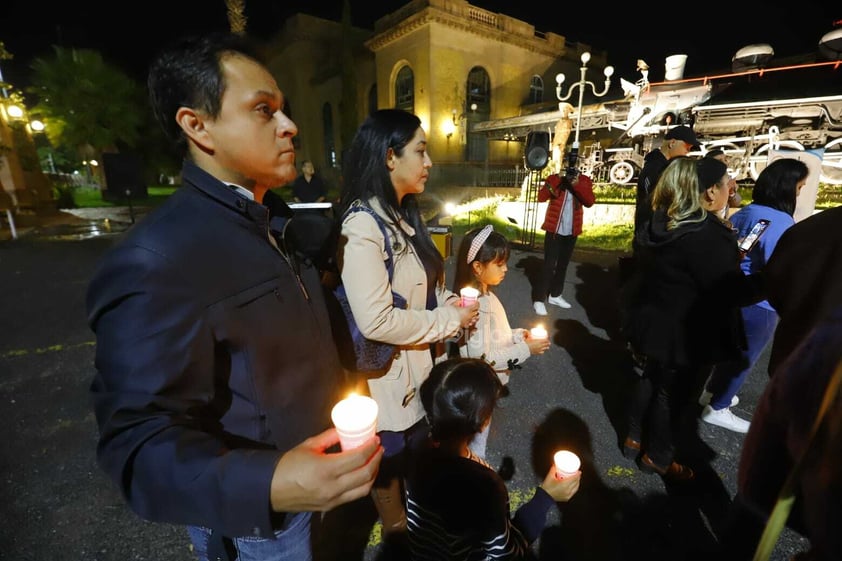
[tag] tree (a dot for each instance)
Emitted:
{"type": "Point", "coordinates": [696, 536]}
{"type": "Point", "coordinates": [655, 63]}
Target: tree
{"type": "Point", "coordinates": [89, 105]}
{"type": "Point", "coordinates": [236, 15]}
{"type": "Point", "coordinates": [348, 107]}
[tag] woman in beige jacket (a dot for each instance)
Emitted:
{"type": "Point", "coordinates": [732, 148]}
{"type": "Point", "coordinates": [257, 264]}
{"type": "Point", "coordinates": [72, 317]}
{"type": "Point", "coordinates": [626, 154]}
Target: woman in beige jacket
{"type": "Point", "coordinates": [386, 167]}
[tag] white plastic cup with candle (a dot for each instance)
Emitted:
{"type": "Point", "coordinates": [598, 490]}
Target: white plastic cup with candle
{"type": "Point", "coordinates": [538, 332]}
{"type": "Point", "coordinates": [469, 296]}
{"type": "Point", "coordinates": [566, 463]}
{"type": "Point", "coordinates": [355, 419]}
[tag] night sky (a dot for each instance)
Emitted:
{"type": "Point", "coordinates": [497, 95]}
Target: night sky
{"type": "Point", "coordinates": [129, 33]}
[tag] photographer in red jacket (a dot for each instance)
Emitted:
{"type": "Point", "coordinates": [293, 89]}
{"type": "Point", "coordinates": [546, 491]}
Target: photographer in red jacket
{"type": "Point", "coordinates": [562, 224]}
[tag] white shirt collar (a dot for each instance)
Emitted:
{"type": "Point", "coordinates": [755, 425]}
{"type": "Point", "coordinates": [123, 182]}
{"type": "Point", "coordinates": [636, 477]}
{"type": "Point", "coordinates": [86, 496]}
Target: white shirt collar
{"type": "Point", "coordinates": [242, 191]}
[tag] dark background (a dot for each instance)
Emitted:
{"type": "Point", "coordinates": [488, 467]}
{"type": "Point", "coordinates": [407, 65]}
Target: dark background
{"type": "Point", "coordinates": [129, 33]}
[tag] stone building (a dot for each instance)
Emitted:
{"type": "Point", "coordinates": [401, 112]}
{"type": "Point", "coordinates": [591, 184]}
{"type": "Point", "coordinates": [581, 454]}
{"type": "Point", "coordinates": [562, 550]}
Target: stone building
{"type": "Point", "coordinates": [451, 63]}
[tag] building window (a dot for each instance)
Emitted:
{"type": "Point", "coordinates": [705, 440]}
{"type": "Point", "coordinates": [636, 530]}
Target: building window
{"type": "Point", "coordinates": [477, 108]}
{"type": "Point", "coordinates": [405, 90]}
{"type": "Point", "coordinates": [372, 99]}
{"type": "Point", "coordinates": [536, 89]}
{"type": "Point", "coordinates": [327, 130]}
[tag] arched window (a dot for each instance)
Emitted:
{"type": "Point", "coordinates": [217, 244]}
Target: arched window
{"type": "Point", "coordinates": [477, 108]}
{"type": "Point", "coordinates": [327, 131]}
{"type": "Point", "coordinates": [405, 90]}
{"type": "Point", "coordinates": [372, 99]}
{"type": "Point", "coordinates": [536, 89]}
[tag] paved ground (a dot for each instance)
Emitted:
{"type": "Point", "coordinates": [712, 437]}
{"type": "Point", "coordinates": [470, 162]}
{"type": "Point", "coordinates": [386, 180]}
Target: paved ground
{"type": "Point", "coordinates": [57, 504]}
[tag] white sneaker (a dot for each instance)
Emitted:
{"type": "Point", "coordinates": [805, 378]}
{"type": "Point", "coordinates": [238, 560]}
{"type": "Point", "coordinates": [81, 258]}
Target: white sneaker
{"type": "Point", "coordinates": [539, 308]}
{"type": "Point", "coordinates": [704, 399]}
{"type": "Point", "coordinates": [725, 419]}
{"type": "Point", "coordinates": [558, 301]}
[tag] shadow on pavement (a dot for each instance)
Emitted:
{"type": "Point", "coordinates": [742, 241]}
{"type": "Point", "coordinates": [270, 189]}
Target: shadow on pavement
{"type": "Point", "coordinates": [608, 524]}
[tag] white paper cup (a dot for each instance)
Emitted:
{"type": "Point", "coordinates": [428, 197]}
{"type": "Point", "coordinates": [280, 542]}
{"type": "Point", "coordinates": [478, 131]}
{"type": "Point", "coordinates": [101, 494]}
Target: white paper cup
{"type": "Point", "coordinates": [469, 296]}
{"type": "Point", "coordinates": [539, 333]}
{"type": "Point", "coordinates": [355, 419]}
{"type": "Point", "coordinates": [566, 463]}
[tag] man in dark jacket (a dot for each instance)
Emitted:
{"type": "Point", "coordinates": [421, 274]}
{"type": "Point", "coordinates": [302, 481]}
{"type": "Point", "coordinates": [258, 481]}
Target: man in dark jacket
{"type": "Point", "coordinates": [215, 373]}
{"type": "Point", "coordinates": [678, 141]}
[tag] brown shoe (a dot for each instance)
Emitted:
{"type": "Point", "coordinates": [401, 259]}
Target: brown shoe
{"type": "Point", "coordinates": [631, 448]}
{"type": "Point", "coordinates": [674, 472]}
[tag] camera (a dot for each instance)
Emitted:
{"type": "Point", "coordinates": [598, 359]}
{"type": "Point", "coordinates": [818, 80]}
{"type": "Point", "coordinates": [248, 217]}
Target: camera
{"type": "Point", "coordinates": [571, 172]}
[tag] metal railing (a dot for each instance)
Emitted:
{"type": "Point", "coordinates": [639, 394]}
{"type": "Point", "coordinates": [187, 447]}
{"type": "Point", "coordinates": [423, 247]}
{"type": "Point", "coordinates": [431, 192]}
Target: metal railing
{"type": "Point", "coordinates": [478, 175]}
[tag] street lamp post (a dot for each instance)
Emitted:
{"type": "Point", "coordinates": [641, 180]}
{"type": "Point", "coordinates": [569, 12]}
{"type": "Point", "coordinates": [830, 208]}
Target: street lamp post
{"type": "Point", "coordinates": [39, 126]}
{"type": "Point", "coordinates": [581, 84]}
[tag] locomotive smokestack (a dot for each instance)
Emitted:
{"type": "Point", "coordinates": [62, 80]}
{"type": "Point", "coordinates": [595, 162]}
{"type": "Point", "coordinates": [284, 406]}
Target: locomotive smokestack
{"type": "Point", "coordinates": [675, 67]}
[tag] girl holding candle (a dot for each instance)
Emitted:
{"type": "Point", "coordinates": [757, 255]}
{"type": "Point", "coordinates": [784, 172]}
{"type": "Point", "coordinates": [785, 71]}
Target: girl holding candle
{"type": "Point", "coordinates": [387, 165]}
{"type": "Point", "coordinates": [481, 264]}
{"type": "Point", "coordinates": [457, 506]}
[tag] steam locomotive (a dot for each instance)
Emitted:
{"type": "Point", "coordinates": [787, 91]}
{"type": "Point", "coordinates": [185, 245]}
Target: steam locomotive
{"type": "Point", "coordinates": [747, 112]}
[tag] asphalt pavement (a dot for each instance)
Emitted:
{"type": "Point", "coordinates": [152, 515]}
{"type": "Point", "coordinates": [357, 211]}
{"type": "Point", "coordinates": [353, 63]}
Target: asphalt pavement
{"type": "Point", "coordinates": [57, 504]}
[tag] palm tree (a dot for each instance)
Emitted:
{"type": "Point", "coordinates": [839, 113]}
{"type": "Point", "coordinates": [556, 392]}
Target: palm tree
{"type": "Point", "coordinates": [90, 106]}
{"type": "Point", "coordinates": [348, 109]}
{"type": "Point", "coordinates": [236, 15]}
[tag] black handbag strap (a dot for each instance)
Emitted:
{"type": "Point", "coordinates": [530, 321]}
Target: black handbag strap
{"type": "Point", "coordinates": [358, 206]}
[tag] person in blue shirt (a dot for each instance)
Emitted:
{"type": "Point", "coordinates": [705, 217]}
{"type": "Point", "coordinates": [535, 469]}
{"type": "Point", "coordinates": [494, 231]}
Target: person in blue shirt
{"type": "Point", "coordinates": [773, 199]}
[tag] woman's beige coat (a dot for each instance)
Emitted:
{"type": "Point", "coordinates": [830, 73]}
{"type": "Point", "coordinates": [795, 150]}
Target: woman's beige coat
{"type": "Point", "coordinates": [361, 260]}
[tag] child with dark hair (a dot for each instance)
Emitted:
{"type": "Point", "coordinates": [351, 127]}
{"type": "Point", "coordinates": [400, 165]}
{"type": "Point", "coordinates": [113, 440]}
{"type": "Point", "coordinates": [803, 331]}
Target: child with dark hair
{"type": "Point", "coordinates": [457, 506]}
{"type": "Point", "coordinates": [481, 263]}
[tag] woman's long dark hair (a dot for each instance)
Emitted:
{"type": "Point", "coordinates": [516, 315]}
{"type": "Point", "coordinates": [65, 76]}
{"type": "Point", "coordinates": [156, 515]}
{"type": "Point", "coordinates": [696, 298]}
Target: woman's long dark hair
{"type": "Point", "coordinates": [776, 185]}
{"type": "Point", "coordinates": [365, 175]}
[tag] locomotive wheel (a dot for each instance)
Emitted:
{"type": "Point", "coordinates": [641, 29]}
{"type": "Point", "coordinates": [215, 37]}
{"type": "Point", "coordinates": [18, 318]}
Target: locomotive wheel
{"type": "Point", "coordinates": [757, 164]}
{"type": "Point", "coordinates": [733, 157]}
{"type": "Point", "coordinates": [832, 166]}
{"type": "Point", "coordinates": [621, 173]}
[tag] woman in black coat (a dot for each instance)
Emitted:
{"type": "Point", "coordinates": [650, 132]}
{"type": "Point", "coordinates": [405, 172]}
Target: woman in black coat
{"type": "Point", "coordinates": [681, 309]}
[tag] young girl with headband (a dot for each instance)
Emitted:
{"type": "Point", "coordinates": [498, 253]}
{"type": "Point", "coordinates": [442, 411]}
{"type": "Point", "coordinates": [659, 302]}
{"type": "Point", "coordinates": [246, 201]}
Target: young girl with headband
{"type": "Point", "coordinates": [482, 263]}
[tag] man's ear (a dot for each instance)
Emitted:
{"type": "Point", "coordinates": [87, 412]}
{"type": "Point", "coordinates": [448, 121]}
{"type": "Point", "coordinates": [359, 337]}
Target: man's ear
{"type": "Point", "coordinates": [193, 125]}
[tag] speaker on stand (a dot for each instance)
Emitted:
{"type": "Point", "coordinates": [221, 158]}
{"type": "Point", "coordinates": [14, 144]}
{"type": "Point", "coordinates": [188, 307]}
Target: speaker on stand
{"type": "Point", "coordinates": [537, 152]}
{"type": "Point", "coordinates": [536, 156]}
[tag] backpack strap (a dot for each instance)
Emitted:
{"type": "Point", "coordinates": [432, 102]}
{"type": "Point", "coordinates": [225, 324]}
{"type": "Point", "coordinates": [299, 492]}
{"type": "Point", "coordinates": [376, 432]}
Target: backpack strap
{"type": "Point", "coordinates": [361, 206]}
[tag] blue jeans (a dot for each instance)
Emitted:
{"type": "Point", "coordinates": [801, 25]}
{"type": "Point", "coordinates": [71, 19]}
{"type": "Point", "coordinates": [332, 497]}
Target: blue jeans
{"type": "Point", "coordinates": [727, 378]}
{"type": "Point", "coordinates": [292, 543]}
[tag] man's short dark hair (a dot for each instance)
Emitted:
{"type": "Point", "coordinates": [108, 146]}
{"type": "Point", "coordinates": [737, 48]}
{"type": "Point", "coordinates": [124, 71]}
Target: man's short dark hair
{"type": "Point", "coordinates": [188, 73]}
